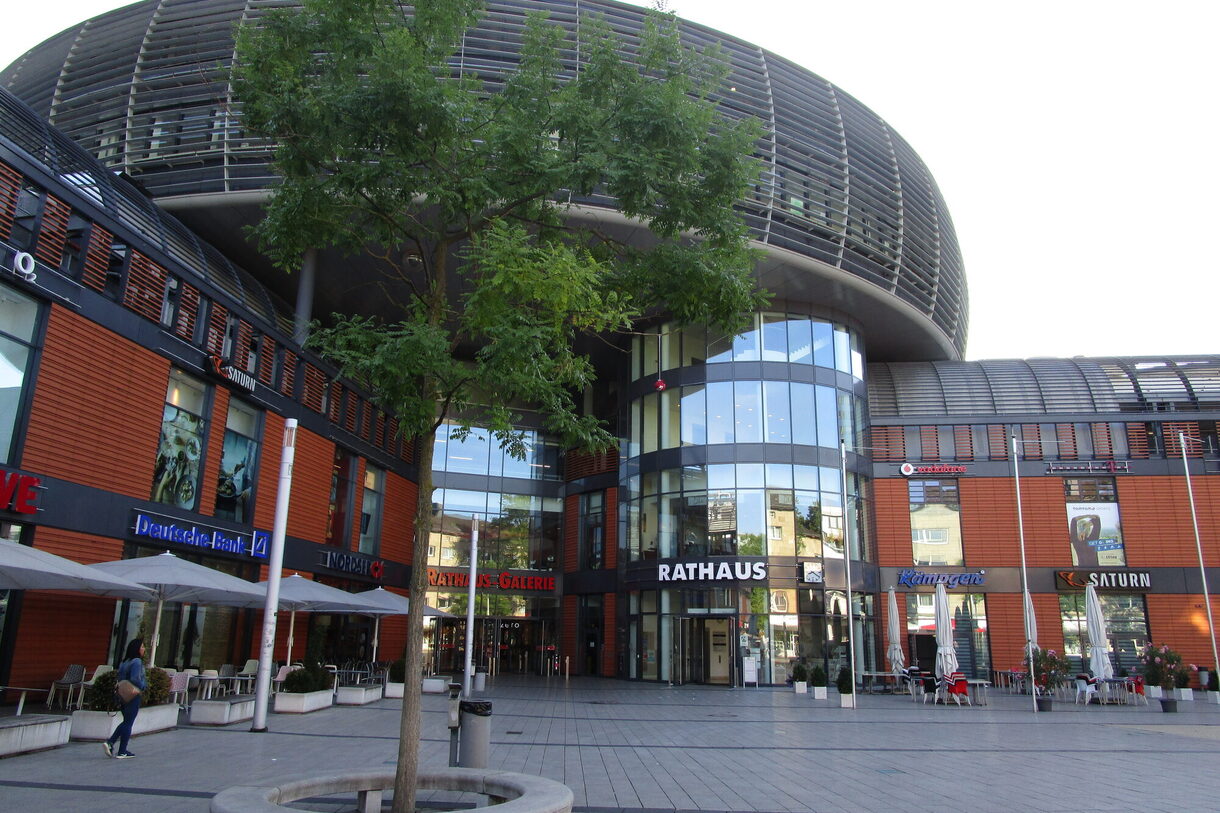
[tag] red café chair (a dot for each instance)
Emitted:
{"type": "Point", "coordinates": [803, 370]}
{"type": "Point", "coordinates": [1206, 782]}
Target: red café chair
{"type": "Point", "coordinates": [958, 688]}
{"type": "Point", "coordinates": [1135, 687]}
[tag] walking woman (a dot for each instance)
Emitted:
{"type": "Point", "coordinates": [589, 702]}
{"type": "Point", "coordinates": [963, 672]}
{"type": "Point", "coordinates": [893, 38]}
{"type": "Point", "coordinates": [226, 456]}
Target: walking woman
{"type": "Point", "coordinates": [132, 668]}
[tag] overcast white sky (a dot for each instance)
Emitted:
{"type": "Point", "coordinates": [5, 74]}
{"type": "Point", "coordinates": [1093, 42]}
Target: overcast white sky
{"type": "Point", "coordinates": [1075, 143]}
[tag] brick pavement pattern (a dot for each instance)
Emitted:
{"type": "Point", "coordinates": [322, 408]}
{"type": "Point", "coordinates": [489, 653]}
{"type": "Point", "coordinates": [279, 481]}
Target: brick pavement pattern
{"type": "Point", "coordinates": [643, 748]}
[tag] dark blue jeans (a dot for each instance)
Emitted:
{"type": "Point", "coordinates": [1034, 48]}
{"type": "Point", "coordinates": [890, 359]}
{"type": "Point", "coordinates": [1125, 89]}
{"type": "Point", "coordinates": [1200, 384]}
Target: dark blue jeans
{"type": "Point", "coordinates": [129, 710]}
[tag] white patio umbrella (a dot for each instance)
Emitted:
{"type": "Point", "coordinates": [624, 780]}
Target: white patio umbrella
{"type": "Point", "coordinates": [170, 578]}
{"type": "Point", "coordinates": [1099, 647]}
{"type": "Point", "coordinates": [300, 594]}
{"type": "Point", "coordinates": [391, 604]}
{"type": "Point", "coordinates": [1033, 624]}
{"type": "Point", "coordinates": [946, 655]}
{"type": "Point", "coordinates": [893, 632]}
{"type": "Point", "coordinates": [25, 568]}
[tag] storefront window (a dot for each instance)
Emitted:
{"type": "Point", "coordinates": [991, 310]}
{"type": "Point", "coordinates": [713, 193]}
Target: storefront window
{"type": "Point", "coordinates": [237, 463]}
{"type": "Point", "coordinates": [18, 319]}
{"type": "Point", "coordinates": [370, 510]}
{"type": "Point", "coordinates": [1094, 527]}
{"type": "Point", "coordinates": [477, 452]}
{"type": "Point", "coordinates": [968, 615]}
{"type": "Point", "coordinates": [338, 528]}
{"type": "Point", "coordinates": [936, 532]}
{"type": "Point", "coordinates": [1126, 629]}
{"type": "Point", "coordinates": [592, 530]}
{"type": "Point", "coordinates": [516, 531]}
{"type": "Point", "coordinates": [176, 475]}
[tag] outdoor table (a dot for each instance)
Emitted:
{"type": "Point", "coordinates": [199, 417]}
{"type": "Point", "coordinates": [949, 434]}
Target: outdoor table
{"type": "Point", "coordinates": [1113, 690]}
{"type": "Point", "coordinates": [21, 699]}
{"type": "Point", "coordinates": [207, 685]}
{"type": "Point", "coordinates": [979, 690]}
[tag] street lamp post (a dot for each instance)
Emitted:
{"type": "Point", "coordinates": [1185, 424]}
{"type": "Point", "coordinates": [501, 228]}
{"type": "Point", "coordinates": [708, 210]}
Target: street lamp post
{"type": "Point", "coordinates": [1194, 520]}
{"type": "Point", "coordinates": [1026, 599]}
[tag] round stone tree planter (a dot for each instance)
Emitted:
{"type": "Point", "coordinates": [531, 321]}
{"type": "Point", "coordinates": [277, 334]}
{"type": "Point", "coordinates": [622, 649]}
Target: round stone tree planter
{"type": "Point", "coordinates": [509, 792]}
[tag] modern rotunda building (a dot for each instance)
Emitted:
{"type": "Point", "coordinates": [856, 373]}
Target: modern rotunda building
{"type": "Point", "coordinates": [715, 545]}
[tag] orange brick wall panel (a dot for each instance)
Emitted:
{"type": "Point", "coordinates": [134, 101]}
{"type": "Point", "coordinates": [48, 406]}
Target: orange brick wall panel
{"type": "Point", "coordinates": [567, 642]}
{"type": "Point", "coordinates": [398, 518]}
{"type": "Point", "coordinates": [989, 522]}
{"type": "Point", "coordinates": [1157, 531]}
{"type": "Point", "coordinates": [1006, 627]}
{"type": "Point", "coordinates": [216, 442]}
{"type": "Point", "coordinates": [611, 523]}
{"type": "Point", "coordinates": [609, 635]}
{"type": "Point", "coordinates": [267, 484]}
{"type": "Point", "coordinates": [892, 517]}
{"type": "Point", "coordinates": [571, 531]}
{"type": "Point", "coordinates": [58, 629]}
{"type": "Point", "coordinates": [76, 402]}
{"type": "Point", "coordinates": [311, 475]}
{"type": "Point", "coordinates": [1046, 528]}
{"type": "Point", "coordinates": [1180, 621]}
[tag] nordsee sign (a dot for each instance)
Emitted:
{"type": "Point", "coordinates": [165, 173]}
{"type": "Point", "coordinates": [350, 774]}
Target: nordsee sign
{"type": "Point", "coordinates": [920, 578]}
{"type": "Point", "coordinates": [167, 529]}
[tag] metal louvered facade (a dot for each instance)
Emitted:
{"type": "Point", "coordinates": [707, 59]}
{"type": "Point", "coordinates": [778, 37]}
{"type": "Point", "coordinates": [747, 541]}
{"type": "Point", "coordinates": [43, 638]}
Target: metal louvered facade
{"type": "Point", "coordinates": [146, 89]}
{"type": "Point", "coordinates": [1044, 386]}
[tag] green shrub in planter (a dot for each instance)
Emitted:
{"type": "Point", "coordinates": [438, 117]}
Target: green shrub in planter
{"type": "Point", "coordinates": [800, 674]}
{"type": "Point", "coordinates": [844, 682]}
{"type": "Point", "coordinates": [398, 671]}
{"type": "Point", "coordinates": [100, 696]}
{"type": "Point", "coordinates": [312, 678]}
{"type": "Point", "coordinates": [1213, 681]}
{"type": "Point", "coordinates": [157, 692]}
{"type": "Point", "coordinates": [817, 677]}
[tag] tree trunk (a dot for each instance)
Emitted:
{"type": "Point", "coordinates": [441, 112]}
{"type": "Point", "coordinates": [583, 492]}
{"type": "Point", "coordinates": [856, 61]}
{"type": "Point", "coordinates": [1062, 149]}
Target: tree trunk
{"type": "Point", "coordinates": [409, 727]}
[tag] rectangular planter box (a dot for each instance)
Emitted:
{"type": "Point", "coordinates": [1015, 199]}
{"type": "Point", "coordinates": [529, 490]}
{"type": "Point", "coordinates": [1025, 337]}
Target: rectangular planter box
{"type": "Point", "coordinates": [394, 689]}
{"type": "Point", "coordinates": [1214, 698]}
{"type": "Point", "coordinates": [357, 695]}
{"type": "Point", "coordinates": [847, 701]}
{"type": "Point", "coordinates": [800, 686]}
{"type": "Point", "coordinates": [222, 712]}
{"type": "Point", "coordinates": [819, 692]}
{"type": "Point", "coordinates": [435, 685]}
{"type": "Point", "coordinates": [1183, 694]}
{"type": "Point", "coordinates": [33, 732]}
{"type": "Point", "coordinates": [95, 726]}
{"type": "Point", "coordinates": [303, 702]}
{"type": "Point", "coordinates": [1153, 692]}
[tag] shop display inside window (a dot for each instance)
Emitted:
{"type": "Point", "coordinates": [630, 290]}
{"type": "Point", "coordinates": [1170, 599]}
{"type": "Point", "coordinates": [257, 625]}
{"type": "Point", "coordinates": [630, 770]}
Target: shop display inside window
{"type": "Point", "coordinates": [176, 473]}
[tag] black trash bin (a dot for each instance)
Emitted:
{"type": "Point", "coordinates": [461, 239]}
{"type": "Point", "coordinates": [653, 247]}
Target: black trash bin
{"type": "Point", "coordinates": [475, 733]}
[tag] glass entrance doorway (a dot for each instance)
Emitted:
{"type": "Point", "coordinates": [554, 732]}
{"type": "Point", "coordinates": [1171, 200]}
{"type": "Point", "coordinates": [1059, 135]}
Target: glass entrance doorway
{"type": "Point", "coordinates": [702, 651]}
{"type": "Point", "coordinates": [509, 645]}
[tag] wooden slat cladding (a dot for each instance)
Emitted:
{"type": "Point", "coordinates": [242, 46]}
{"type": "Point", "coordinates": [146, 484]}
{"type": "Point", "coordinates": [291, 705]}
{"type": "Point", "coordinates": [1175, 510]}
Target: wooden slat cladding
{"type": "Point", "coordinates": [245, 337]}
{"type": "Point", "coordinates": [1065, 439]}
{"type": "Point", "coordinates": [571, 532]}
{"type": "Point", "coordinates": [997, 442]}
{"type": "Point", "coordinates": [288, 377]}
{"type": "Point", "coordinates": [963, 443]}
{"type": "Point", "coordinates": [218, 326]}
{"type": "Point", "coordinates": [1173, 448]}
{"type": "Point", "coordinates": [315, 457]}
{"type": "Point", "coordinates": [266, 361]}
{"type": "Point", "coordinates": [10, 190]}
{"type": "Point", "coordinates": [145, 292]}
{"type": "Point", "coordinates": [398, 518]}
{"type": "Point", "coordinates": [609, 639]}
{"type": "Point", "coordinates": [570, 619]}
{"type": "Point", "coordinates": [53, 232]}
{"type": "Point", "coordinates": [188, 313]}
{"type": "Point", "coordinates": [1103, 443]}
{"type": "Point", "coordinates": [75, 404]}
{"type": "Point", "coordinates": [97, 258]}
{"type": "Point", "coordinates": [611, 531]}
{"type": "Point", "coordinates": [584, 464]}
{"type": "Point", "coordinates": [1031, 442]}
{"type": "Point", "coordinates": [929, 443]}
{"type": "Point", "coordinates": [888, 443]}
{"type": "Point", "coordinates": [1137, 440]}
{"type": "Point", "coordinates": [1176, 621]}
{"type": "Point", "coordinates": [314, 395]}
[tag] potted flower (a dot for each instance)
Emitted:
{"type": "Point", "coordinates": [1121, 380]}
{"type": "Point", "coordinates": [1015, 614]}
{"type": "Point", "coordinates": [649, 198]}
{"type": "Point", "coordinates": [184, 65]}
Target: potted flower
{"type": "Point", "coordinates": [800, 678]}
{"type": "Point", "coordinates": [396, 678]}
{"type": "Point", "coordinates": [817, 679]}
{"type": "Point", "coordinates": [1050, 671]}
{"type": "Point", "coordinates": [98, 716]}
{"type": "Point", "coordinates": [845, 684]}
{"type": "Point", "coordinates": [1163, 667]}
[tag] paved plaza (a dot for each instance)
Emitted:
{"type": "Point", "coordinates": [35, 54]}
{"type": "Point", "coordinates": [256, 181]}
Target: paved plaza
{"type": "Point", "coordinates": [640, 748]}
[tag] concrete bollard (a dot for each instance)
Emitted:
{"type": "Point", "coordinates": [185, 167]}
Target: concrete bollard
{"type": "Point", "coordinates": [475, 733]}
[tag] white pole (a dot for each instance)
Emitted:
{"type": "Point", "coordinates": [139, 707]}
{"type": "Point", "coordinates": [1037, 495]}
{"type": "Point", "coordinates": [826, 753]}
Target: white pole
{"type": "Point", "coordinates": [376, 632]}
{"type": "Point", "coordinates": [1026, 599]}
{"type": "Point", "coordinates": [292, 626]}
{"type": "Point", "coordinates": [152, 656]}
{"type": "Point", "coordinates": [474, 561]}
{"type": "Point", "coordinates": [851, 612]}
{"type": "Point", "coordinates": [275, 562]}
{"type": "Point", "coordinates": [1194, 520]}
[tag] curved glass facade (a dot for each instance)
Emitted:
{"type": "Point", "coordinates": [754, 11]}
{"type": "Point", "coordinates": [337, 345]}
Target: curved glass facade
{"type": "Point", "coordinates": [756, 543]}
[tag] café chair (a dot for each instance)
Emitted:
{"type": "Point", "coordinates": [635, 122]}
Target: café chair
{"type": "Point", "coordinates": [1084, 688]}
{"type": "Point", "coordinates": [102, 668]}
{"type": "Point", "coordinates": [73, 679]}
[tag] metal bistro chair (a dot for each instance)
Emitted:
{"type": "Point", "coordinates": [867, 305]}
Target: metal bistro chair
{"type": "Point", "coordinates": [102, 668]}
{"type": "Point", "coordinates": [180, 690]}
{"type": "Point", "coordinates": [73, 679]}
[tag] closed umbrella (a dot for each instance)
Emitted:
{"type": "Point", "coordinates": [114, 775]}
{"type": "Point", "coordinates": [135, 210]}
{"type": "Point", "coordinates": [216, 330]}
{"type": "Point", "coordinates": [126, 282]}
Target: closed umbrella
{"type": "Point", "coordinates": [171, 578]}
{"type": "Point", "coordinates": [946, 655]}
{"type": "Point", "coordinates": [26, 568]}
{"type": "Point", "coordinates": [305, 595]}
{"type": "Point", "coordinates": [1099, 647]}
{"type": "Point", "coordinates": [893, 633]}
{"type": "Point", "coordinates": [390, 604]}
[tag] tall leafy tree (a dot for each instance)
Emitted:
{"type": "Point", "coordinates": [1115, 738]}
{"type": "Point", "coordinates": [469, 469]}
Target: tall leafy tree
{"type": "Point", "coordinates": [457, 188]}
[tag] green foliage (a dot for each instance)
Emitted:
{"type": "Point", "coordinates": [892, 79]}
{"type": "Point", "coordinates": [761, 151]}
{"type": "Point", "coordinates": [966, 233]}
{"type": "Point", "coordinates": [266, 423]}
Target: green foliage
{"type": "Point", "coordinates": [100, 696]}
{"type": "Point", "coordinates": [817, 676]}
{"type": "Point", "coordinates": [1164, 667]}
{"type": "Point", "coordinates": [1050, 668]}
{"type": "Point", "coordinates": [1213, 681]}
{"type": "Point", "coordinates": [800, 673]}
{"type": "Point", "coordinates": [157, 691]}
{"type": "Point", "coordinates": [309, 678]}
{"type": "Point", "coordinates": [844, 682]}
{"type": "Point", "coordinates": [398, 671]}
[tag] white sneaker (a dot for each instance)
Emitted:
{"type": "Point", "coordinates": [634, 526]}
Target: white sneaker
{"type": "Point", "coordinates": [109, 750]}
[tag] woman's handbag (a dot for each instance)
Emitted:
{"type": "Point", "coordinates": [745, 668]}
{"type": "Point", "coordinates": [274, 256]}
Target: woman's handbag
{"type": "Point", "coordinates": [126, 690]}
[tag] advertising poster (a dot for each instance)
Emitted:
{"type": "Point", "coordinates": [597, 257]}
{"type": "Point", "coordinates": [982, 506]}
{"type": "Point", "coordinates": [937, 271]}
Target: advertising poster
{"type": "Point", "coordinates": [1096, 534]}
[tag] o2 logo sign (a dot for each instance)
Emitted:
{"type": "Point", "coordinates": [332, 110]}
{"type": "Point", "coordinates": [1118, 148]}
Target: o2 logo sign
{"type": "Point", "coordinates": [23, 266]}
